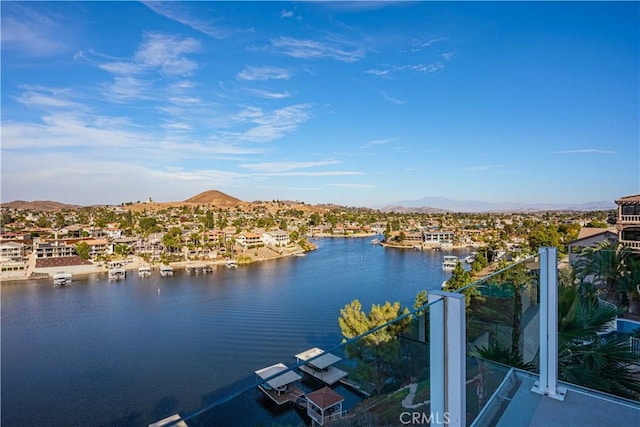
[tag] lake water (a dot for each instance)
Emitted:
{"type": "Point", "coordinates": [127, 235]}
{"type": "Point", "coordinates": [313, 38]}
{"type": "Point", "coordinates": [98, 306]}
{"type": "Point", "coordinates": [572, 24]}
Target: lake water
{"type": "Point", "coordinates": [130, 353]}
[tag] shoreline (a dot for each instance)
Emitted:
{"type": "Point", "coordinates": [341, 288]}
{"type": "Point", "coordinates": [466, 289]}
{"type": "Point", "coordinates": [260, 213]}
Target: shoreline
{"type": "Point", "coordinates": [85, 271]}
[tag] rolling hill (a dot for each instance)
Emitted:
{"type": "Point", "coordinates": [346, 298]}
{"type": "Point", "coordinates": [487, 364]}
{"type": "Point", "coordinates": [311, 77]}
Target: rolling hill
{"type": "Point", "coordinates": [39, 205]}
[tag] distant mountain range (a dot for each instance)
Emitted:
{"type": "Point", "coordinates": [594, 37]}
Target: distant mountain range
{"type": "Point", "coordinates": [424, 205]}
{"type": "Point", "coordinates": [442, 204]}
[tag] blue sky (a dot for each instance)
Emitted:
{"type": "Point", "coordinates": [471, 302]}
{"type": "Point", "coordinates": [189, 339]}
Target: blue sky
{"type": "Point", "coordinates": [360, 104]}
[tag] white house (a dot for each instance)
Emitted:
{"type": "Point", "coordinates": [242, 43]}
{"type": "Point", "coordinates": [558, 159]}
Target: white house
{"type": "Point", "coordinates": [12, 251]}
{"type": "Point", "coordinates": [276, 238]}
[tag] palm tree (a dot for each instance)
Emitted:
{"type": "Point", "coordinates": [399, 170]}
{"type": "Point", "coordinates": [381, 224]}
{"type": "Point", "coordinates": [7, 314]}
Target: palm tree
{"type": "Point", "coordinates": [588, 357]}
{"type": "Point", "coordinates": [610, 267]}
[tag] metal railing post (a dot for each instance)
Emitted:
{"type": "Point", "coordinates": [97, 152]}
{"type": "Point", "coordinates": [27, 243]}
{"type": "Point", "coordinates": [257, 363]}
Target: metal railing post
{"type": "Point", "coordinates": [548, 381]}
{"type": "Point", "coordinates": [448, 358]}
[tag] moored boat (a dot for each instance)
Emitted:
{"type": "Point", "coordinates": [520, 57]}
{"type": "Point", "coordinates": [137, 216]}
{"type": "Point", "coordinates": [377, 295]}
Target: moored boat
{"type": "Point", "coordinates": [62, 278]}
{"type": "Point", "coordinates": [117, 273]}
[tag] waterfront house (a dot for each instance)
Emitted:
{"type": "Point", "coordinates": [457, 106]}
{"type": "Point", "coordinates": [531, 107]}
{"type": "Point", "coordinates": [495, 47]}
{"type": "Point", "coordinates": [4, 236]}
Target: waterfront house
{"type": "Point", "coordinates": [589, 237]}
{"type": "Point", "coordinates": [276, 238]}
{"type": "Point", "coordinates": [13, 251]}
{"type": "Point", "coordinates": [413, 237]}
{"type": "Point", "coordinates": [98, 247]}
{"type": "Point", "coordinates": [628, 221]}
{"type": "Point", "coordinates": [249, 240]}
{"type": "Point", "coordinates": [53, 249]}
{"type": "Point", "coordinates": [438, 238]}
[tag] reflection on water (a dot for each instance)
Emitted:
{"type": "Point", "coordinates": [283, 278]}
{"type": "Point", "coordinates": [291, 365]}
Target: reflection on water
{"type": "Point", "coordinates": [132, 352]}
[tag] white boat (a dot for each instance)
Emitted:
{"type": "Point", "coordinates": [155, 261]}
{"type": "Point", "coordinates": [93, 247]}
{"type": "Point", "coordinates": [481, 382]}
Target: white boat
{"type": "Point", "coordinates": [232, 263]}
{"type": "Point", "coordinates": [449, 262]}
{"type": "Point", "coordinates": [470, 258]}
{"type": "Point", "coordinates": [144, 271]}
{"type": "Point", "coordinates": [166, 270]}
{"type": "Point", "coordinates": [61, 278]}
{"type": "Point", "coordinates": [117, 273]}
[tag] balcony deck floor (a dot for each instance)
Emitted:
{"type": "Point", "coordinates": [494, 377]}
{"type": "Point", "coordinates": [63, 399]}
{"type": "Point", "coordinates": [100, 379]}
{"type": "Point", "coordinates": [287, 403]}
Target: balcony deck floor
{"type": "Point", "coordinates": [580, 408]}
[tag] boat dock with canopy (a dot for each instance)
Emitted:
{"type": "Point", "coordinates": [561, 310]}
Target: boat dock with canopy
{"type": "Point", "coordinates": [321, 365]}
{"type": "Point", "coordinates": [279, 388]}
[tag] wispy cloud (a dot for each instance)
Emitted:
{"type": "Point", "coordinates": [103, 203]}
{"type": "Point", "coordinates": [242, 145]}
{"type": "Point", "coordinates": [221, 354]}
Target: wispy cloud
{"type": "Point", "coordinates": [47, 98]}
{"type": "Point", "coordinates": [268, 94]}
{"type": "Point", "coordinates": [379, 73]}
{"type": "Point", "coordinates": [271, 125]}
{"type": "Point", "coordinates": [32, 32]}
{"type": "Point", "coordinates": [272, 167]}
{"type": "Point", "coordinates": [286, 13]}
{"type": "Point", "coordinates": [264, 73]}
{"type": "Point", "coordinates": [387, 70]}
{"type": "Point", "coordinates": [356, 186]}
{"type": "Point", "coordinates": [339, 50]}
{"type": "Point", "coordinates": [418, 45]}
{"type": "Point", "coordinates": [182, 12]}
{"type": "Point", "coordinates": [391, 99]}
{"type": "Point", "coordinates": [585, 151]}
{"type": "Point", "coordinates": [126, 88]}
{"type": "Point", "coordinates": [377, 142]}
{"type": "Point", "coordinates": [166, 53]}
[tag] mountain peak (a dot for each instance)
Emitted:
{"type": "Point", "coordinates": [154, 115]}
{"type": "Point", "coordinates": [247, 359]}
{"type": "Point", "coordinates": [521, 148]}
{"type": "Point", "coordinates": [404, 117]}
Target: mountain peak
{"type": "Point", "coordinates": [215, 197]}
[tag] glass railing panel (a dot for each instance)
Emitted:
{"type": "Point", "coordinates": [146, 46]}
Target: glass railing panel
{"type": "Point", "coordinates": [502, 329]}
{"type": "Point", "coordinates": [380, 377]}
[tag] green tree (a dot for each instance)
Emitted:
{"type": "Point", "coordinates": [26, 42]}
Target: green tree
{"type": "Point", "coordinates": [209, 221]}
{"type": "Point", "coordinates": [586, 357]}
{"type": "Point", "coordinates": [420, 301]}
{"type": "Point", "coordinates": [596, 224]}
{"type": "Point", "coordinates": [609, 267]}
{"type": "Point", "coordinates": [43, 221]}
{"type": "Point", "coordinates": [122, 250]}
{"type": "Point", "coordinates": [172, 240]}
{"type": "Point", "coordinates": [82, 249]}
{"type": "Point", "coordinates": [379, 348]}
{"type": "Point", "coordinates": [459, 278]}
{"type": "Point", "coordinates": [315, 219]}
{"type": "Point", "coordinates": [148, 225]}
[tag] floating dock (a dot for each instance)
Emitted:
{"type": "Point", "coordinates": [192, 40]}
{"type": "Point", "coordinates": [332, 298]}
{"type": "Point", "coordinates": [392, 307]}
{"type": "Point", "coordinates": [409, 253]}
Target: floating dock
{"type": "Point", "coordinates": [321, 365]}
{"type": "Point", "coordinates": [280, 389]}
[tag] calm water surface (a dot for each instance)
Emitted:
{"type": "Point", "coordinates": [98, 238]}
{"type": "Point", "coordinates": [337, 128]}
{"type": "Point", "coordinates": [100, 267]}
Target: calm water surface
{"type": "Point", "coordinates": [130, 353]}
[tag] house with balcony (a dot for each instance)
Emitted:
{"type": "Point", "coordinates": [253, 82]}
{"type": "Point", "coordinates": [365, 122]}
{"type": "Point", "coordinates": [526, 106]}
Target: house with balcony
{"type": "Point", "coordinates": [628, 221]}
{"type": "Point", "coordinates": [13, 251]}
{"type": "Point", "coordinates": [249, 240]}
{"type": "Point", "coordinates": [276, 238]}
{"type": "Point", "coordinates": [53, 249]}
{"type": "Point", "coordinates": [98, 247]}
{"type": "Point", "coordinates": [438, 238]}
